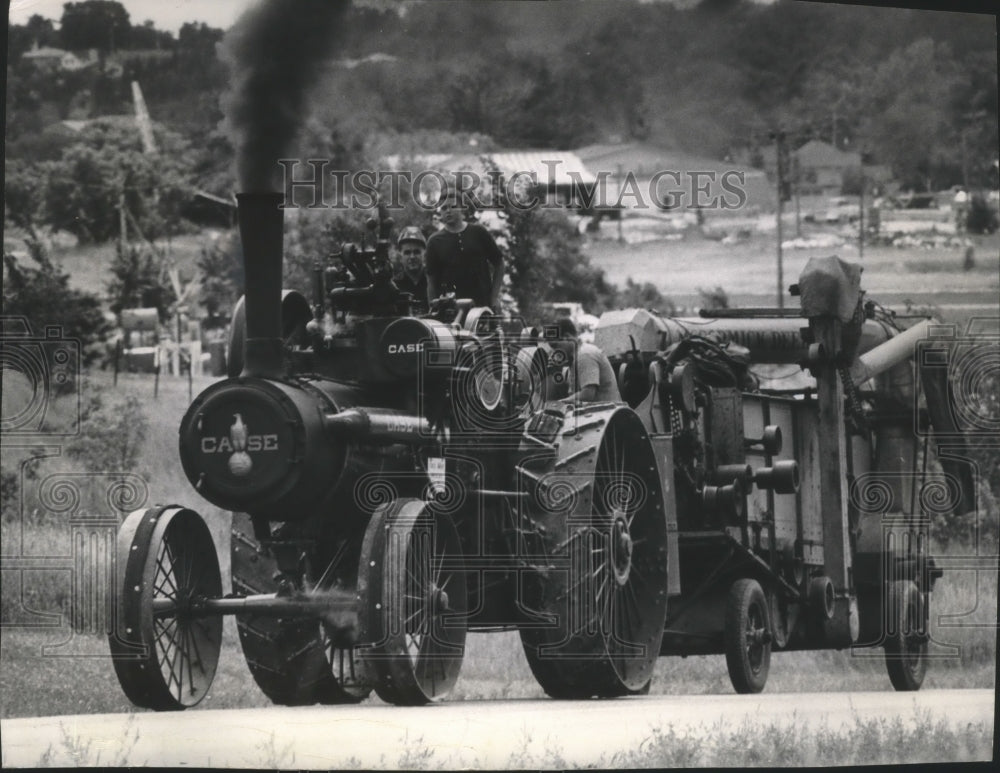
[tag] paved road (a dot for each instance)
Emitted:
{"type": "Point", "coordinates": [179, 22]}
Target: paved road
{"type": "Point", "coordinates": [460, 735]}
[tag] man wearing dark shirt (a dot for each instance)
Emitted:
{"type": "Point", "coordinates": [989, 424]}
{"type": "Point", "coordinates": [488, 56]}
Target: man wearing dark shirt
{"type": "Point", "coordinates": [463, 258]}
{"type": "Point", "coordinates": [413, 279]}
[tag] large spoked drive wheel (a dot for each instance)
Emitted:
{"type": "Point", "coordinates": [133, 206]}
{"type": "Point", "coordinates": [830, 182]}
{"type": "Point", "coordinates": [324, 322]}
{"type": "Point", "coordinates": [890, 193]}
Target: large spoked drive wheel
{"type": "Point", "coordinates": [595, 533]}
{"type": "Point", "coordinates": [294, 661]}
{"type": "Point", "coordinates": [747, 636]}
{"type": "Point", "coordinates": [413, 602]}
{"type": "Point", "coordinates": [906, 639]}
{"type": "Point", "coordinates": [164, 653]}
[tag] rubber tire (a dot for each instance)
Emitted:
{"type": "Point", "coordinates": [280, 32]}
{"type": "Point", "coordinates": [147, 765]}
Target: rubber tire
{"type": "Point", "coordinates": [746, 596]}
{"type": "Point", "coordinates": [904, 605]}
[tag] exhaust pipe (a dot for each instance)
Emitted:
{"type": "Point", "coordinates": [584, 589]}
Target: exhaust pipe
{"type": "Point", "coordinates": [261, 232]}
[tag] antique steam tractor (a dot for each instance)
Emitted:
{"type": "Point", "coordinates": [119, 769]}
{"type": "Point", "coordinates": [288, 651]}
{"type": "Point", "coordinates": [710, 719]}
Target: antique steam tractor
{"type": "Point", "coordinates": [398, 480]}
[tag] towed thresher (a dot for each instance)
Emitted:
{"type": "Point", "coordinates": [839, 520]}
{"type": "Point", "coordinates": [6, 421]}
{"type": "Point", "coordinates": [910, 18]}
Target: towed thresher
{"type": "Point", "coordinates": [397, 481]}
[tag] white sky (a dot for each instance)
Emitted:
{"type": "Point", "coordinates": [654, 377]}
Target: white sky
{"type": "Point", "coordinates": [171, 14]}
{"type": "Point", "coordinates": [166, 14]}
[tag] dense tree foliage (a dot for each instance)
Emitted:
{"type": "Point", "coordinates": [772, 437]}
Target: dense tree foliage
{"type": "Point", "coordinates": [82, 191]}
{"type": "Point", "coordinates": [916, 90]}
{"type": "Point", "coordinates": [100, 24]}
{"type": "Point", "coordinates": [37, 289]}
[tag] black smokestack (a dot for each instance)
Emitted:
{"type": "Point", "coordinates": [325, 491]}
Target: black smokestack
{"type": "Point", "coordinates": [262, 232]}
{"type": "Point", "coordinates": [275, 52]}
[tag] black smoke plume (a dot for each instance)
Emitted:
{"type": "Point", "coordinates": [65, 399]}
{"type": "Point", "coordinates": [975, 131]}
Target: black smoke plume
{"type": "Point", "coordinates": [275, 52]}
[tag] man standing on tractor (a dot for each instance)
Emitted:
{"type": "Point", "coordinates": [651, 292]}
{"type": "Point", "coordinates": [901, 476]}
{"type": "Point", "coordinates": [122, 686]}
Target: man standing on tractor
{"type": "Point", "coordinates": [413, 279]}
{"type": "Point", "coordinates": [463, 258]}
{"type": "Point", "coordinates": [589, 376]}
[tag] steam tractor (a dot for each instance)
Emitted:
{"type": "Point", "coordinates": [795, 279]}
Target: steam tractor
{"type": "Point", "coordinates": [398, 480]}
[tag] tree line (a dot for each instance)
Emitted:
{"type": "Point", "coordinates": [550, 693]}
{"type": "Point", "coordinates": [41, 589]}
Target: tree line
{"type": "Point", "coordinates": [914, 90]}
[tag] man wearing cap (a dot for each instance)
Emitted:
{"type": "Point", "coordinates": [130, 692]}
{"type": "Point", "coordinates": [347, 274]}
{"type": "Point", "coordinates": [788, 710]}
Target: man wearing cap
{"type": "Point", "coordinates": [463, 258]}
{"type": "Point", "coordinates": [412, 279]}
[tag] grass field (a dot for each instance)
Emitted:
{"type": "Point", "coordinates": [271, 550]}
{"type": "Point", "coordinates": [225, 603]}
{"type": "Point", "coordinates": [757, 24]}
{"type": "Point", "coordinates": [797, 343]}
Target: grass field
{"type": "Point", "coordinates": [747, 269]}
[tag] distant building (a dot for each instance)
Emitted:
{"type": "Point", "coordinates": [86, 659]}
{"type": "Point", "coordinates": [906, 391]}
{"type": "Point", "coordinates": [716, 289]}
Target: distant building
{"type": "Point", "coordinates": [554, 176]}
{"type": "Point", "coordinates": [48, 59]}
{"type": "Point", "coordinates": [557, 176]}
{"type": "Point", "coordinates": [637, 174]}
{"type": "Point", "coordinates": [822, 168]}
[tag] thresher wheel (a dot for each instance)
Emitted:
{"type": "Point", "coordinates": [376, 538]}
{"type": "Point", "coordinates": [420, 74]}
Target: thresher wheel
{"type": "Point", "coordinates": [294, 662]}
{"type": "Point", "coordinates": [747, 636]}
{"type": "Point", "coordinates": [165, 656]}
{"type": "Point", "coordinates": [595, 536]}
{"type": "Point", "coordinates": [906, 638]}
{"type": "Point", "coordinates": [413, 602]}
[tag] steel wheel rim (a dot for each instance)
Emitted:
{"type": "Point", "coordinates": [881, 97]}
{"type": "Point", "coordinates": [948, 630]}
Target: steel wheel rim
{"type": "Point", "coordinates": [629, 564]}
{"type": "Point", "coordinates": [184, 644]}
{"type": "Point", "coordinates": [413, 588]}
{"type": "Point", "coordinates": [346, 665]}
{"type": "Point", "coordinates": [425, 637]}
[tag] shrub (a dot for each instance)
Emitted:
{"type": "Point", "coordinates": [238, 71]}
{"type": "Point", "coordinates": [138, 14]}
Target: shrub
{"type": "Point", "coordinates": [112, 430]}
{"type": "Point", "coordinates": [982, 218]}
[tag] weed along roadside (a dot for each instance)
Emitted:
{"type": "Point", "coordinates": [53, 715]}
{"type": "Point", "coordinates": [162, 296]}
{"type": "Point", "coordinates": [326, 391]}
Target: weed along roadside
{"type": "Point", "coordinates": [650, 731]}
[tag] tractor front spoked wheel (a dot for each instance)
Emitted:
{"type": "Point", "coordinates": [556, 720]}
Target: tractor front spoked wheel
{"type": "Point", "coordinates": [164, 653]}
{"type": "Point", "coordinates": [747, 636]}
{"type": "Point", "coordinates": [295, 662]}
{"type": "Point", "coordinates": [414, 603]}
{"type": "Point", "coordinates": [906, 641]}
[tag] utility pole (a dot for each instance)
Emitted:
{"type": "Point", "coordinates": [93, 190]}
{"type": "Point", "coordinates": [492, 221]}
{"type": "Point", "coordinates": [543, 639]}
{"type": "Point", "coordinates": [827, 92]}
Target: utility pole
{"type": "Point", "coordinates": [795, 189]}
{"type": "Point", "coordinates": [861, 208]}
{"type": "Point", "coordinates": [621, 178]}
{"type": "Point", "coordinates": [779, 141]}
{"type": "Point", "coordinates": [122, 221]}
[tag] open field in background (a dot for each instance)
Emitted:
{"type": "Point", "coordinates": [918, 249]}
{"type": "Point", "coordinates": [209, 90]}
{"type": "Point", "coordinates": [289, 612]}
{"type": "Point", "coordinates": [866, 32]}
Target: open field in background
{"type": "Point", "coordinates": [747, 268]}
{"type": "Point", "coordinates": [736, 253]}
{"type": "Point", "coordinates": [33, 685]}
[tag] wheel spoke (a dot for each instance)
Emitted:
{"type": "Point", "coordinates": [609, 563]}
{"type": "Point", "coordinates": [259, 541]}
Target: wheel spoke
{"type": "Point", "coordinates": [164, 573]}
{"type": "Point", "coordinates": [196, 648]}
{"type": "Point", "coordinates": [171, 569]}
